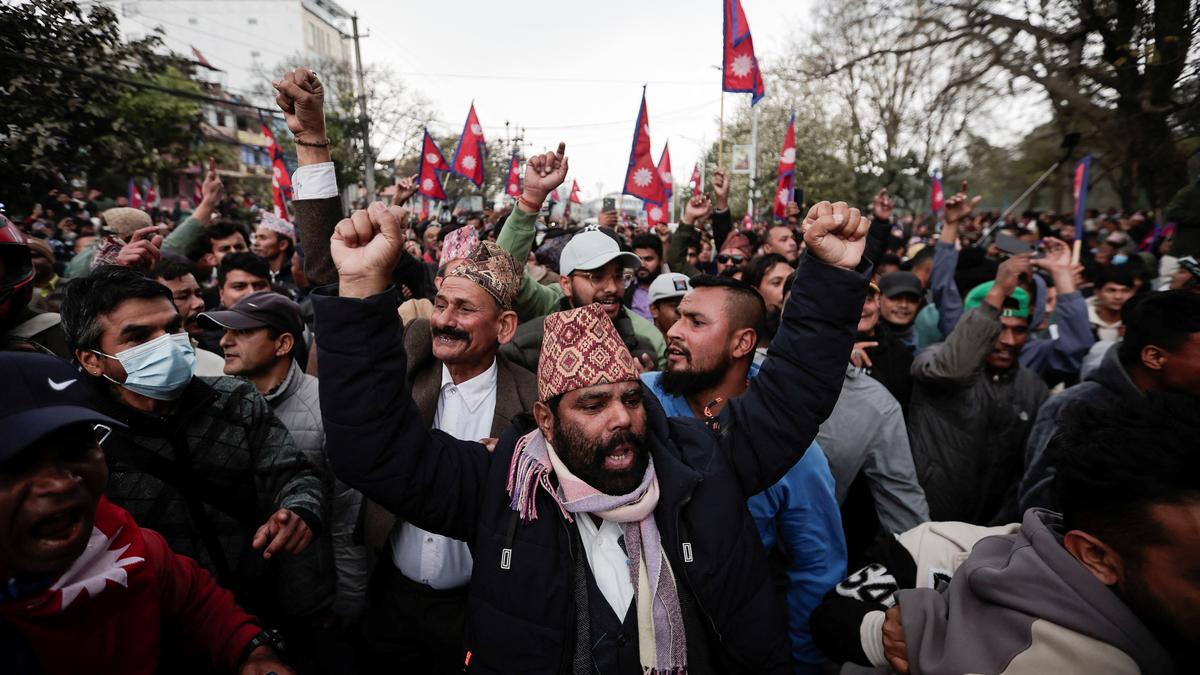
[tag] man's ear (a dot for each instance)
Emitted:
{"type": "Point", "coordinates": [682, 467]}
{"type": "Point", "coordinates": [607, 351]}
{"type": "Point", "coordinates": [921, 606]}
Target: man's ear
{"type": "Point", "coordinates": [507, 323]}
{"type": "Point", "coordinates": [564, 282]}
{"type": "Point", "coordinates": [1153, 357]}
{"type": "Point", "coordinates": [544, 419]}
{"type": "Point", "coordinates": [209, 260]}
{"type": "Point", "coordinates": [743, 341]}
{"type": "Point", "coordinates": [90, 362]}
{"type": "Point", "coordinates": [285, 344]}
{"type": "Point", "coordinates": [1099, 558]}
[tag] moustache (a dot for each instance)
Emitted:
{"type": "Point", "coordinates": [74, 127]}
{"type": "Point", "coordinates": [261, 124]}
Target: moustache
{"type": "Point", "coordinates": [600, 450]}
{"type": "Point", "coordinates": [451, 333]}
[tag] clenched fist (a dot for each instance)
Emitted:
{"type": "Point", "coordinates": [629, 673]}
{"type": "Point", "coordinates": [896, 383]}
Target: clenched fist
{"type": "Point", "coordinates": [836, 234]}
{"type": "Point", "coordinates": [365, 249]}
{"type": "Point", "coordinates": [543, 173]}
{"type": "Point", "coordinates": [302, 100]}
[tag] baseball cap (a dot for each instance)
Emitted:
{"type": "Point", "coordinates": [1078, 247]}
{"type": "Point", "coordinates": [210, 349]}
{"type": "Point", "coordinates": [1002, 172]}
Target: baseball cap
{"type": "Point", "coordinates": [1190, 264]}
{"type": "Point", "coordinates": [899, 283]}
{"type": "Point", "coordinates": [670, 285]}
{"type": "Point", "coordinates": [41, 394]}
{"type": "Point", "coordinates": [592, 249]}
{"type": "Point", "coordinates": [976, 296]}
{"type": "Point", "coordinates": [259, 310]}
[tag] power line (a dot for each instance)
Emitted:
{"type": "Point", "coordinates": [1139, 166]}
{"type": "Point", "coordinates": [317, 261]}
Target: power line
{"type": "Point", "coordinates": [140, 85]}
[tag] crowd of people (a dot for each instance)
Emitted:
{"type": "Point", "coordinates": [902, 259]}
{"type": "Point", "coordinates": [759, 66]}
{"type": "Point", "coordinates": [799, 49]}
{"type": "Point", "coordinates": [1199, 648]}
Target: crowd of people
{"type": "Point", "coordinates": [506, 442]}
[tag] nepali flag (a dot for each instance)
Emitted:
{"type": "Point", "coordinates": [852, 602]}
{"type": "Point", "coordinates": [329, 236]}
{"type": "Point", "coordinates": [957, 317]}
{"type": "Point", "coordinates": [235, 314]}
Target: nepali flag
{"type": "Point", "coordinates": [574, 198]}
{"type": "Point", "coordinates": [694, 181]}
{"type": "Point", "coordinates": [655, 215]}
{"type": "Point", "coordinates": [1081, 191]}
{"type": "Point", "coordinates": [468, 156]}
{"type": "Point", "coordinates": [432, 162]}
{"type": "Point", "coordinates": [151, 195]}
{"type": "Point", "coordinates": [135, 195]}
{"type": "Point", "coordinates": [281, 180]}
{"type": "Point", "coordinates": [642, 179]}
{"type": "Point", "coordinates": [554, 197]}
{"type": "Point", "coordinates": [512, 186]}
{"type": "Point", "coordinates": [664, 171]}
{"type": "Point", "coordinates": [740, 72]}
{"type": "Point", "coordinates": [787, 170]}
{"type": "Point", "coordinates": [937, 199]}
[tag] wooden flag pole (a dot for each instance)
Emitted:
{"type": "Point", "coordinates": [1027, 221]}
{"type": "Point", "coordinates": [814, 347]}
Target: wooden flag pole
{"type": "Point", "coordinates": [721, 137]}
{"type": "Point", "coordinates": [1076, 250]}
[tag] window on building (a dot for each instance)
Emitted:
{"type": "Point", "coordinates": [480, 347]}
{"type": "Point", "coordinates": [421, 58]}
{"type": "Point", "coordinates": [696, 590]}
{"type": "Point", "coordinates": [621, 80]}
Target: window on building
{"type": "Point", "coordinates": [252, 21]}
{"type": "Point", "coordinates": [255, 55]}
{"type": "Point", "coordinates": [191, 21]}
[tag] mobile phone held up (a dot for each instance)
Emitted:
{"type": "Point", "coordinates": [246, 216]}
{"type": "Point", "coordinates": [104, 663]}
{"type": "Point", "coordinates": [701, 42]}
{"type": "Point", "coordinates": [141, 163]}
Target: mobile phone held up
{"type": "Point", "coordinates": [1013, 246]}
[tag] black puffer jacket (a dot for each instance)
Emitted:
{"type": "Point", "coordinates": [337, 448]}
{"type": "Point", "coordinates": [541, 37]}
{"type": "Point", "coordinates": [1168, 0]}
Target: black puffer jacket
{"type": "Point", "coordinates": [522, 619]}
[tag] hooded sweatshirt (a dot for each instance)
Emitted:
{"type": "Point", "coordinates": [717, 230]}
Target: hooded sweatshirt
{"type": "Point", "coordinates": [1107, 384]}
{"type": "Point", "coordinates": [1022, 604]}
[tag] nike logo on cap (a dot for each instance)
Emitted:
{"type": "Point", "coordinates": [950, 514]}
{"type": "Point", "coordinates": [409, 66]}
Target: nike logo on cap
{"type": "Point", "coordinates": [59, 386]}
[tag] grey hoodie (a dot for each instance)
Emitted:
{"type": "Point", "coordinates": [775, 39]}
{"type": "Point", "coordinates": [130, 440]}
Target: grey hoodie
{"type": "Point", "coordinates": [1022, 604]}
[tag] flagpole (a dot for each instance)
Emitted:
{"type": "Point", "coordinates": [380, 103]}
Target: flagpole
{"type": "Point", "coordinates": [753, 159]}
{"type": "Point", "coordinates": [721, 137]}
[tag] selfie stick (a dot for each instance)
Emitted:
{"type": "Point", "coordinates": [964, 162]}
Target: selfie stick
{"type": "Point", "coordinates": [1068, 144]}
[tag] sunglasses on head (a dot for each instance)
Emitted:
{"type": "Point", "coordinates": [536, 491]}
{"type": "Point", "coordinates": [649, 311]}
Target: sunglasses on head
{"type": "Point", "coordinates": [727, 258]}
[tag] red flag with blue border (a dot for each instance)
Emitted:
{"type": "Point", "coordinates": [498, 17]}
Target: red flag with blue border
{"type": "Point", "coordinates": [471, 150]}
{"type": "Point", "coordinates": [642, 179]}
{"type": "Point", "coordinates": [432, 162]}
{"type": "Point", "coordinates": [740, 71]}
{"type": "Point", "coordinates": [787, 170]}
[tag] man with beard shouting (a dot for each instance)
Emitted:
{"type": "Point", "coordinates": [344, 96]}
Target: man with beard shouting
{"type": "Point", "coordinates": [710, 360]}
{"type": "Point", "coordinates": [606, 536]}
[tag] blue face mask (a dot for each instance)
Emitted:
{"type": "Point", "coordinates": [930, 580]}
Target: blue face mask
{"type": "Point", "coordinates": [1120, 259]}
{"type": "Point", "coordinates": [160, 369]}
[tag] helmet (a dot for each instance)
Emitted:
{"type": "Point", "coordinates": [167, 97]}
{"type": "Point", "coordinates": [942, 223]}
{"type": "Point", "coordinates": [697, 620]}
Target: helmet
{"type": "Point", "coordinates": [16, 272]}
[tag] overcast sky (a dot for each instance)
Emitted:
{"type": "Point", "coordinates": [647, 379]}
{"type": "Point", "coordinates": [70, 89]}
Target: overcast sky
{"type": "Point", "coordinates": [573, 70]}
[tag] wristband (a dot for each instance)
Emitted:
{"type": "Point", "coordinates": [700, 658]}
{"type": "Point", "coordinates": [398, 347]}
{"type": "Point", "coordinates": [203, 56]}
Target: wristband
{"type": "Point", "coordinates": [534, 207]}
{"type": "Point", "coordinates": [265, 638]}
{"type": "Point", "coordinates": [311, 145]}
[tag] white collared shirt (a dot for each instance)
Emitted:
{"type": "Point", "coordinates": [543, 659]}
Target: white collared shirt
{"type": "Point", "coordinates": [610, 565]}
{"type": "Point", "coordinates": [314, 181]}
{"type": "Point", "coordinates": [465, 412]}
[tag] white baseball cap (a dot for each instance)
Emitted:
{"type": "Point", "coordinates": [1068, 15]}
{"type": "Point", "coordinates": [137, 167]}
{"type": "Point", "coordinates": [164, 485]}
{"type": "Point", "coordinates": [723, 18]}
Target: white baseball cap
{"type": "Point", "coordinates": [669, 285]}
{"type": "Point", "coordinates": [592, 249]}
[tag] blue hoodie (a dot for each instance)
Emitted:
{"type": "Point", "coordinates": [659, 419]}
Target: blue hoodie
{"type": "Point", "coordinates": [801, 514]}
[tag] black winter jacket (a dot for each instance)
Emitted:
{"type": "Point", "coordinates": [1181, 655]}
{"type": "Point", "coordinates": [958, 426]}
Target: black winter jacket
{"type": "Point", "coordinates": [522, 615]}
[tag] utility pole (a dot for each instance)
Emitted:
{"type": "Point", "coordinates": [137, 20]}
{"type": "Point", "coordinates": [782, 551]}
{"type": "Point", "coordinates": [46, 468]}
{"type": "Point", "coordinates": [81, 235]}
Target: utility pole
{"type": "Point", "coordinates": [753, 159]}
{"type": "Point", "coordinates": [368, 158]}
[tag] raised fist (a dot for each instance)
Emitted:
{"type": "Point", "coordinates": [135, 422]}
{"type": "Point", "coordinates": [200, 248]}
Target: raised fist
{"type": "Point", "coordinates": [697, 209]}
{"type": "Point", "coordinates": [302, 99]}
{"type": "Point", "coordinates": [959, 207]}
{"type": "Point", "coordinates": [836, 234]}
{"type": "Point", "coordinates": [882, 205]}
{"type": "Point", "coordinates": [365, 249]}
{"type": "Point", "coordinates": [544, 173]}
{"type": "Point", "coordinates": [720, 184]}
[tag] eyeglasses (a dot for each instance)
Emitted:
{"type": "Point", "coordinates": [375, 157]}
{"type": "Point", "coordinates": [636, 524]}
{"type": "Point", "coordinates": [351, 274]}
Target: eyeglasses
{"type": "Point", "coordinates": [726, 258]}
{"type": "Point", "coordinates": [598, 278]}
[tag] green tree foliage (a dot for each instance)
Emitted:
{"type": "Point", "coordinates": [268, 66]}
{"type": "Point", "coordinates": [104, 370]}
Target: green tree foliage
{"type": "Point", "coordinates": [58, 123]}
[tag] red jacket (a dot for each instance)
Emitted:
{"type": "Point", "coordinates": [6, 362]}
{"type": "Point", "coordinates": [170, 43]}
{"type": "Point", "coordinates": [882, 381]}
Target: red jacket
{"type": "Point", "coordinates": [109, 611]}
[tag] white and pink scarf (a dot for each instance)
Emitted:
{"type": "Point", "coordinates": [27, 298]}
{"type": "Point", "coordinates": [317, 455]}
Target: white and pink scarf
{"type": "Point", "coordinates": [662, 644]}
